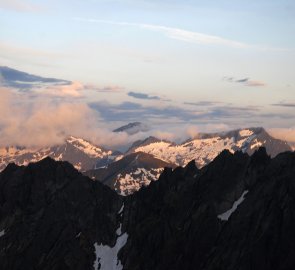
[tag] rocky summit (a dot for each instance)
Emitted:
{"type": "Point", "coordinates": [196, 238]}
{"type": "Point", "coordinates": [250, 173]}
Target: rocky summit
{"type": "Point", "coordinates": [237, 212]}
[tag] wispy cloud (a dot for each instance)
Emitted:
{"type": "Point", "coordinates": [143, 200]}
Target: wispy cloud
{"type": "Point", "coordinates": [106, 89]}
{"type": "Point", "coordinates": [245, 81]}
{"type": "Point", "coordinates": [142, 96]}
{"type": "Point", "coordinates": [202, 103]}
{"type": "Point", "coordinates": [284, 104]}
{"type": "Point", "coordinates": [176, 33]}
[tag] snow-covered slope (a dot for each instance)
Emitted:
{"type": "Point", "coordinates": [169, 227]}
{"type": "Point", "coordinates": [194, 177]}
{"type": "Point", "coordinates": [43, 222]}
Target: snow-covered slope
{"type": "Point", "coordinates": [81, 153]}
{"type": "Point", "coordinates": [206, 147]}
{"type": "Point", "coordinates": [130, 173]}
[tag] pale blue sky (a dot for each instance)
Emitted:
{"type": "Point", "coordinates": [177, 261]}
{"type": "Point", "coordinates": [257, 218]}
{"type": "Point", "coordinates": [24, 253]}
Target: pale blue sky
{"type": "Point", "coordinates": [182, 51]}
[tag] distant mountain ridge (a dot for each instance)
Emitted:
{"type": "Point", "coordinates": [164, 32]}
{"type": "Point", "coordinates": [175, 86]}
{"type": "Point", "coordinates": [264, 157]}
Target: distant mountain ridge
{"type": "Point", "coordinates": [81, 153]}
{"type": "Point", "coordinates": [205, 147]}
{"type": "Point", "coordinates": [145, 159]}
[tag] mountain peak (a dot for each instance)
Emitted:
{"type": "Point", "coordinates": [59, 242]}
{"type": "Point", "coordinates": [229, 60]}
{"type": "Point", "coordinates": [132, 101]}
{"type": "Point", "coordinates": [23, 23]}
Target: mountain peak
{"type": "Point", "coordinates": [132, 128]}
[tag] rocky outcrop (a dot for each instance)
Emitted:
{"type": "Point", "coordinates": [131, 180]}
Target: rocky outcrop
{"type": "Point", "coordinates": [51, 216]}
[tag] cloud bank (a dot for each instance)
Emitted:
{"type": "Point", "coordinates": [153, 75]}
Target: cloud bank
{"type": "Point", "coordinates": [40, 120]}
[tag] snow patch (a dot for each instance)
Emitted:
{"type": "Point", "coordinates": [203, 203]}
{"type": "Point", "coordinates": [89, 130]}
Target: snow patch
{"type": "Point", "coordinates": [78, 166]}
{"type": "Point", "coordinates": [245, 132]}
{"type": "Point", "coordinates": [107, 257]}
{"type": "Point", "coordinates": [2, 233]}
{"type": "Point", "coordinates": [256, 144]}
{"type": "Point", "coordinates": [88, 148]}
{"type": "Point", "coordinates": [119, 230]}
{"type": "Point", "coordinates": [247, 142]}
{"type": "Point", "coordinates": [133, 181]}
{"type": "Point", "coordinates": [227, 214]}
{"type": "Point", "coordinates": [121, 209]}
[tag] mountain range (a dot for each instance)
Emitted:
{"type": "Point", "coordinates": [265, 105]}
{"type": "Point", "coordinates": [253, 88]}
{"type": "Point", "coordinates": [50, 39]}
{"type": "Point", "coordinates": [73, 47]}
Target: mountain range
{"type": "Point", "coordinates": [237, 212]}
{"type": "Point", "coordinates": [144, 160]}
{"type": "Point", "coordinates": [81, 153]}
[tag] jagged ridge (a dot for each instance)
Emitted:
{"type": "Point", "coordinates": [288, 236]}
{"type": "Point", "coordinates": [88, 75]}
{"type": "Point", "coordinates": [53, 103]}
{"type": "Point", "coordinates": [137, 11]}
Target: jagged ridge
{"type": "Point", "coordinates": [176, 222]}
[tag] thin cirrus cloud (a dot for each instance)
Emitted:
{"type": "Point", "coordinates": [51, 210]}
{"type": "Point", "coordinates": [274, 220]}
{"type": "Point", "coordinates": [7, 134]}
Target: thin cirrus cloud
{"type": "Point", "coordinates": [105, 89]}
{"type": "Point", "coordinates": [284, 104]}
{"type": "Point", "coordinates": [202, 103]}
{"type": "Point", "coordinates": [176, 33]}
{"type": "Point", "coordinates": [142, 96]}
{"type": "Point", "coordinates": [245, 81]}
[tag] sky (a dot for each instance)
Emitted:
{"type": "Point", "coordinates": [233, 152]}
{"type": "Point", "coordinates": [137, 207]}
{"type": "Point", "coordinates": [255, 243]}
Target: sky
{"type": "Point", "coordinates": [212, 65]}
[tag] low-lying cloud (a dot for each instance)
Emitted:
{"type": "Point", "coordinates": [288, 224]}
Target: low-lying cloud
{"type": "Point", "coordinates": [74, 89]}
{"type": "Point", "coordinates": [45, 121]}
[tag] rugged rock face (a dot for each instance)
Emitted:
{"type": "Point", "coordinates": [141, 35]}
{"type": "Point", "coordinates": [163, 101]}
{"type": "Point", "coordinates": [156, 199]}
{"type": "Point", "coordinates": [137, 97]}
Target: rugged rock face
{"type": "Point", "coordinates": [238, 212]}
{"type": "Point", "coordinates": [51, 216]}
